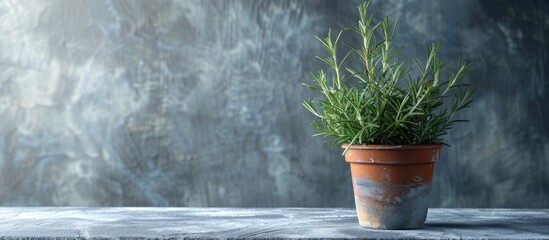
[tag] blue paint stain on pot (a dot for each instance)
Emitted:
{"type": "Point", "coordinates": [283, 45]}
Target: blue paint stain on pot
{"type": "Point", "coordinates": [378, 207]}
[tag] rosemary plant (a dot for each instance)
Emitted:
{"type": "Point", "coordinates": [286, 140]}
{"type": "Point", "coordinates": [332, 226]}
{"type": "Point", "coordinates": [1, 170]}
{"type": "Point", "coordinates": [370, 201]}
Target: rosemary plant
{"type": "Point", "coordinates": [378, 107]}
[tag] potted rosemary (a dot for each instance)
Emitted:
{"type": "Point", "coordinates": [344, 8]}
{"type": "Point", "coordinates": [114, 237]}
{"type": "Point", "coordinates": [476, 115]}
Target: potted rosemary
{"type": "Point", "coordinates": [389, 121]}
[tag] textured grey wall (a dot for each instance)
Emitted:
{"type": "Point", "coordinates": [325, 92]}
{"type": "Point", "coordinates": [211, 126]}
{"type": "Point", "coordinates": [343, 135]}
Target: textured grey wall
{"type": "Point", "coordinates": [197, 103]}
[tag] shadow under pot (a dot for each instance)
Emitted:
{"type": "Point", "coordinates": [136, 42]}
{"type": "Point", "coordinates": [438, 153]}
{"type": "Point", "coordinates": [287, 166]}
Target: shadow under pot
{"type": "Point", "coordinates": [391, 184]}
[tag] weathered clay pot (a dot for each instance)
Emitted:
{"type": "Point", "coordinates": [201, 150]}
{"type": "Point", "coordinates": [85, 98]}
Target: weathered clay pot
{"type": "Point", "coordinates": [392, 183]}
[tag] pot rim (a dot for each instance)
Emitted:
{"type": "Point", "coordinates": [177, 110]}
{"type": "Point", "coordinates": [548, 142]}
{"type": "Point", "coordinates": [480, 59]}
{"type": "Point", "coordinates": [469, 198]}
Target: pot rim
{"type": "Point", "coordinates": [392, 147]}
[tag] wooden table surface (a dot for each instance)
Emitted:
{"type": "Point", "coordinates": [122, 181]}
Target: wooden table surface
{"type": "Point", "coordinates": [279, 223]}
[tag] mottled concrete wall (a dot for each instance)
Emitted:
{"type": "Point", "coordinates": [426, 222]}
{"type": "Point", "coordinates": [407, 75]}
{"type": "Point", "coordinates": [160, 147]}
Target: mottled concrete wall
{"type": "Point", "coordinates": [197, 103]}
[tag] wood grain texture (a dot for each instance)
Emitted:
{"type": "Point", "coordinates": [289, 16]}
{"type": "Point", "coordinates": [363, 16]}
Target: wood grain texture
{"type": "Point", "coordinates": [285, 223]}
{"type": "Point", "coordinates": [198, 103]}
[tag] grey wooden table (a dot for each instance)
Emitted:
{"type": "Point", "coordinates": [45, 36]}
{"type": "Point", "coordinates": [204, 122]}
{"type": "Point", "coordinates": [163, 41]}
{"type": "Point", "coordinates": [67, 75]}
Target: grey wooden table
{"type": "Point", "coordinates": [280, 223]}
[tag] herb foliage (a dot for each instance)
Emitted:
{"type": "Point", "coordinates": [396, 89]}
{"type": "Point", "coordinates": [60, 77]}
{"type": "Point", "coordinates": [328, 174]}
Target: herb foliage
{"type": "Point", "coordinates": [378, 107]}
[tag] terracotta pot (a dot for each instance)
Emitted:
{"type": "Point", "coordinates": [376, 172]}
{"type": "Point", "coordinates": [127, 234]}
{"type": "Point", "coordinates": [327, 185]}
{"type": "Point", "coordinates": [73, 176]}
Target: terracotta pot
{"type": "Point", "coordinates": [392, 183]}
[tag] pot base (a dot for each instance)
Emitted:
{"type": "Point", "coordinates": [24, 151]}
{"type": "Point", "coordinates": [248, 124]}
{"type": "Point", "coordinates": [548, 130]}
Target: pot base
{"type": "Point", "coordinates": [405, 211]}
